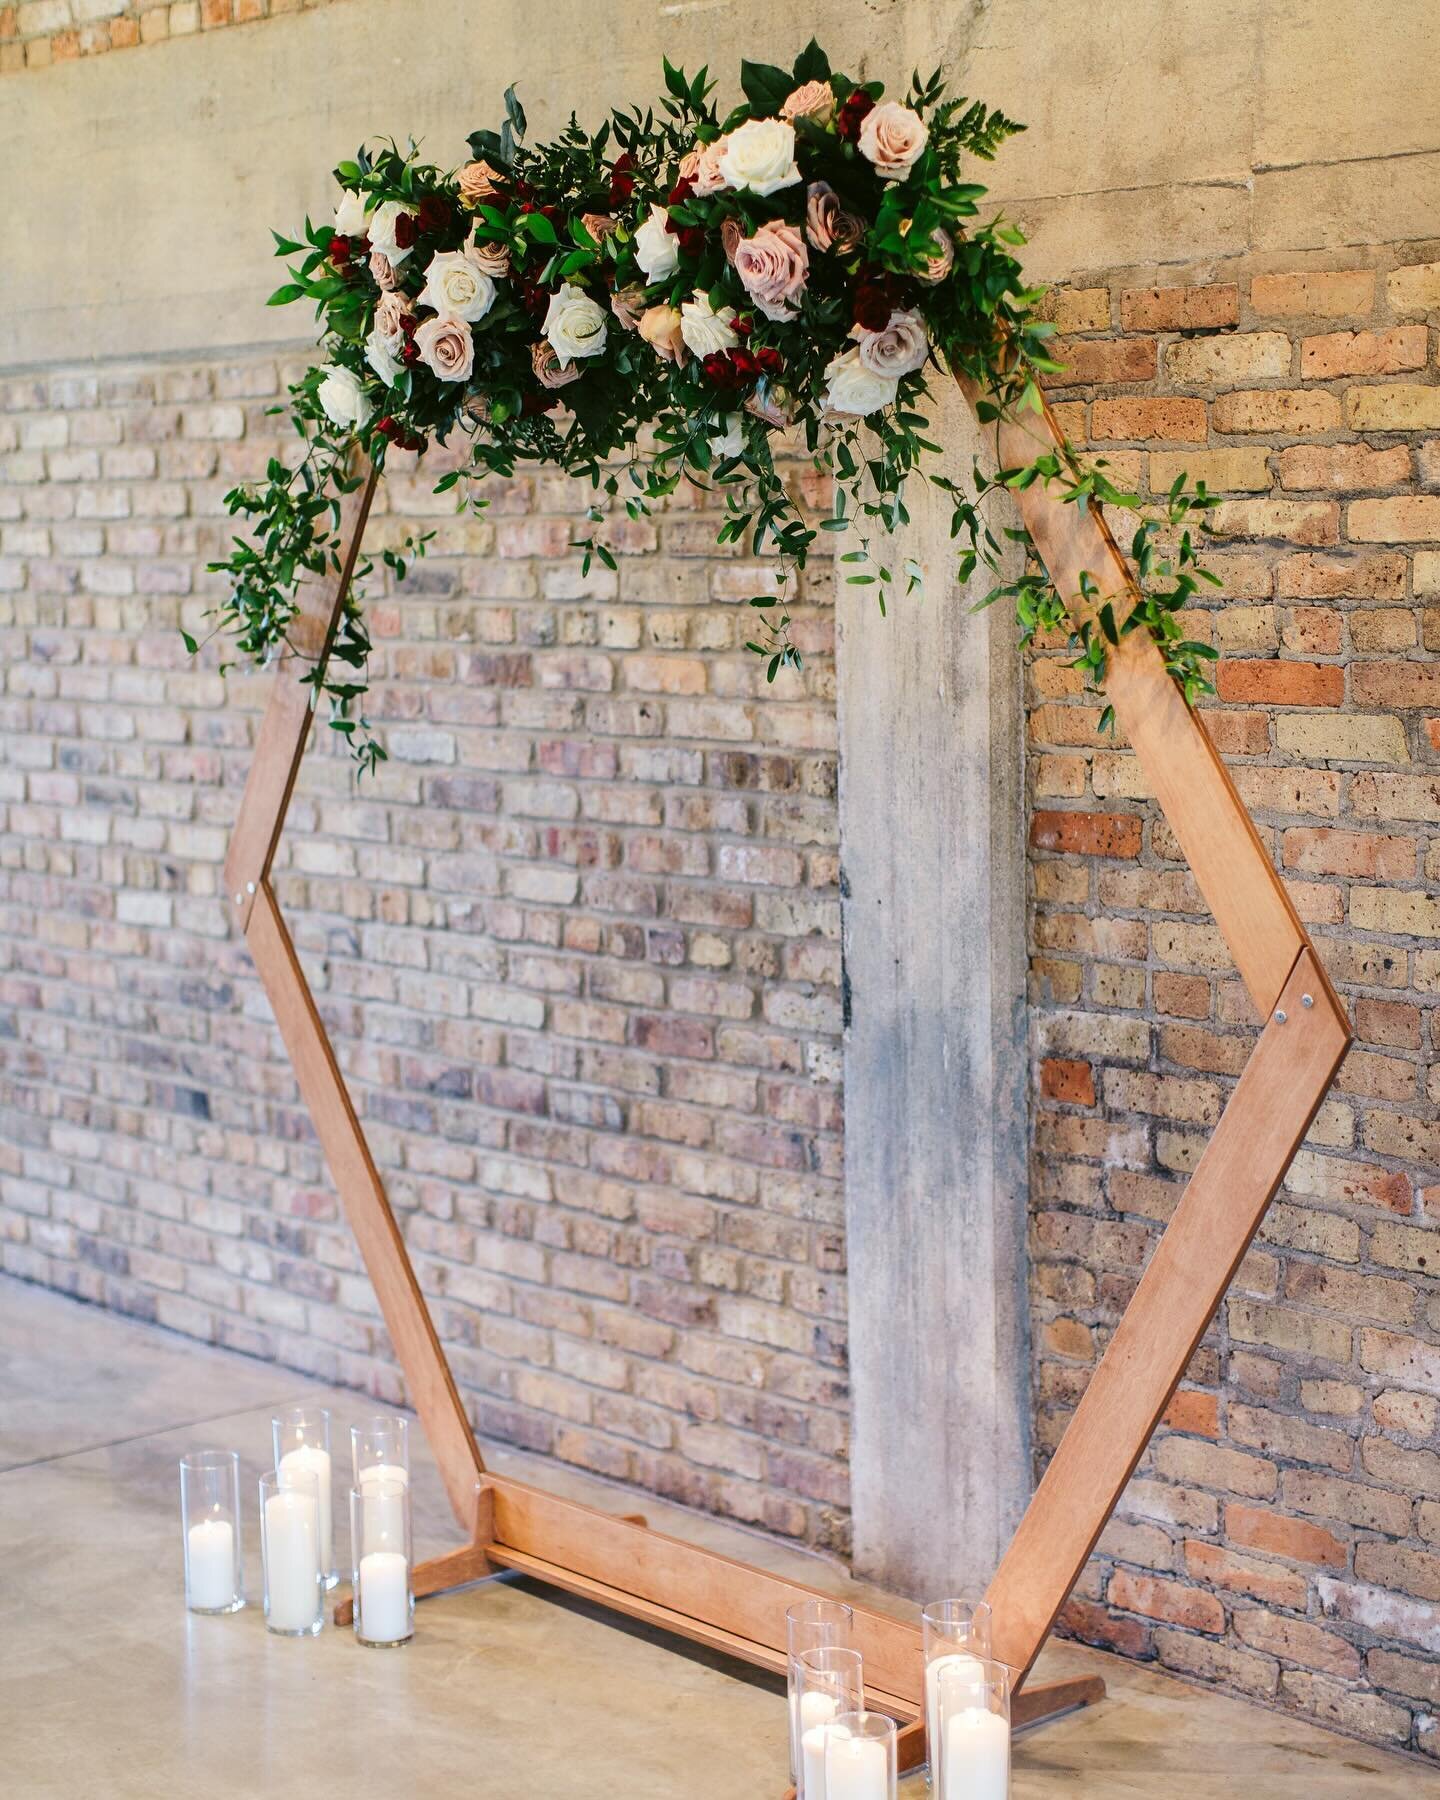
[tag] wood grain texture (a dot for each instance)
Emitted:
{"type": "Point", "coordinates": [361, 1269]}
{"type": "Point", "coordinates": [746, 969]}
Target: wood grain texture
{"type": "Point", "coordinates": [285, 727]}
{"type": "Point", "coordinates": [698, 1586]}
{"type": "Point", "coordinates": [1222, 1206]}
{"type": "Point", "coordinates": [412, 1332]}
{"type": "Point", "coordinates": [1229, 863]}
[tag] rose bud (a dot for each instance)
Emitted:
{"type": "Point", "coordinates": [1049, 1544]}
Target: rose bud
{"type": "Point", "coordinates": [339, 249]}
{"type": "Point", "coordinates": [852, 115]}
{"type": "Point", "coordinates": [769, 360]}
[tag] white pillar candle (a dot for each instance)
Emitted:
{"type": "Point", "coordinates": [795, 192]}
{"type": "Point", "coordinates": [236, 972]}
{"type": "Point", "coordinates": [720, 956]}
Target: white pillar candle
{"type": "Point", "coordinates": [384, 1597]}
{"type": "Point", "coordinates": [309, 1459]}
{"type": "Point", "coordinates": [812, 1763]}
{"type": "Point", "coordinates": [291, 1562]}
{"type": "Point", "coordinates": [962, 1677]}
{"type": "Point", "coordinates": [386, 1511]}
{"type": "Point", "coordinates": [856, 1769]}
{"type": "Point", "coordinates": [210, 1564]}
{"type": "Point", "coordinates": [977, 1755]}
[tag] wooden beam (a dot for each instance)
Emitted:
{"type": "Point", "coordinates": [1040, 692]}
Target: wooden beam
{"type": "Point", "coordinates": [1229, 863]}
{"type": "Point", "coordinates": [1222, 1206]}
{"type": "Point", "coordinates": [580, 1544]}
{"type": "Point", "coordinates": [407, 1318]}
{"type": "Point", "coordinates": [285, 727]}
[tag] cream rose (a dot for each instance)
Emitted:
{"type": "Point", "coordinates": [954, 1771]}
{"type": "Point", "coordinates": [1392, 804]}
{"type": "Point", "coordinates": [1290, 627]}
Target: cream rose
{"type": "Point", "coordinates": [574, 324]}
{"type": "Point", "coordinates": [850, 387]}
{"type": "Point", "coordinates": [706, 331]}
{"type": "Point", "coordinates": [381, 357]}
{"type": "Point", "coordinates": [343, 397]}
{"type": "Point", "coordinates": [350, 220]}
{"type": "Point", "coordinates": [446, 348]}
{"type": "Point", "coordinates": [900, 349]}
{"type": "Point", "coordinates": [811, 100]}
{"type": "Point", "coordinates": [892, 137]}
{"type": "Point", "coordinates": [660, 328]}
{"type": "Point", "coordinates": [760, 156]}
{"type": "Point", "coordinates": [656, 249]}
{"type": "Point", "coordinates": [827, 224]}
{"type": "Point", "coordinates": [457, 287]}
{"type": "Point", "coordinates": [773, 265]}
{"type": "Point", "coordinates": [548, 370]}
{"type": "Point", "coordinates": [382, 226]}
{"type": "Point", "coordinates": [477, 184]}
{"type": "Point", "coordinates": [730, 441]}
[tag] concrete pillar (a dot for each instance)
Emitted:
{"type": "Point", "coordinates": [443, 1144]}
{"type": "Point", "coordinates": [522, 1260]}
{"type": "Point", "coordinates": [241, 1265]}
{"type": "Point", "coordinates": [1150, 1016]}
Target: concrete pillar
{"type": "Point", "coordinates": [932, 817]}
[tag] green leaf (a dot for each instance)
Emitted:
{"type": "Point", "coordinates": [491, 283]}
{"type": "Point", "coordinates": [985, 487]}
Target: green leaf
{"type": "Point", "coordinates": [765, 87]}
{"type": "Point", "coordinates": [189, 641]}
{"type": "Point", "coordinates": [812, 64]}
{"type": "Point", "coordinates": [284, 295]}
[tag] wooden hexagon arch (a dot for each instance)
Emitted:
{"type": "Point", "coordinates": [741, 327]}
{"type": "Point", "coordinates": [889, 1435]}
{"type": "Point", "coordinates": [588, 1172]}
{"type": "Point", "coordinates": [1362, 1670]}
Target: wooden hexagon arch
{"type": "Point", "coordinates": [727, 1605]}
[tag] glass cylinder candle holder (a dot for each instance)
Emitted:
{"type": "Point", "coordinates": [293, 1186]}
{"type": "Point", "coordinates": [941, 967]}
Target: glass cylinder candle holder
{"type": "Point", "coordinates": [828, 1683]}
{"type": "Point", "coordinates": [210, 1523]}
{"type": "Point", "coordinates": [861, 1751]}
{"type": "Point", "coordinates": [956, 1636]}
{"type": "Point", "coordinates": [973, 1757]}
{"type": "Point", "coordinates": [302, 1446]}
{"type": "Point", "coordinates": [290, 1546]}
{"type": "Point", "coordinates": [380, 1449]}
{"type": "Point", "coordinates": [384, 1605]}
{"type": "Point", "coordinates": [811, 1625]}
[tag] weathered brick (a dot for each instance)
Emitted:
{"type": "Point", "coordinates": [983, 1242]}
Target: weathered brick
{"type": "Point", "coordinates": [1333, 294]}
{"type": "Point", "coordinates": [1288, 412]}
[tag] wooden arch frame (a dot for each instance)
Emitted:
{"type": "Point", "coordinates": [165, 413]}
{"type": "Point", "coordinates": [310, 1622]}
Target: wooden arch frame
{"type": "Point", "coordinates": [727, 1605]}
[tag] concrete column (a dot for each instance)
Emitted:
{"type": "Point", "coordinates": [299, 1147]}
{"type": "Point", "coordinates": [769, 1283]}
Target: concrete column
{"type": "Point", "coordinates": [932, 817]}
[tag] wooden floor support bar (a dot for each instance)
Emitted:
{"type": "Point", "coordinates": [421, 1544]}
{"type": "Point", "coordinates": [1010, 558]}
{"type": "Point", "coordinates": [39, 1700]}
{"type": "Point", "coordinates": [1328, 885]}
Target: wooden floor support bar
{"type": "Point", "coordinates": [618, 1562]}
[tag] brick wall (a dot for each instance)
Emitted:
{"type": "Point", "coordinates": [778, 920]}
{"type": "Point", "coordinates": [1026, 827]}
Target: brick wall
{"type": "Point", "coordinates": [577, 946]}
{"type": "Point", "coordinates": [1282, 1536]}
{"type": "Point", "coordinates": [36, 33]}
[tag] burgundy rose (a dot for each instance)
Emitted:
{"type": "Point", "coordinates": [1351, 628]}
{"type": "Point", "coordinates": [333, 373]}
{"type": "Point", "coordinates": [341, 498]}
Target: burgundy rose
{"type": "Point", "coordinates": [434, 214]}
{"type": "Point", "coordinates": [622, 182]}
{"type": "Point", "coordinates": [852, 115]}
{"type": "Point", "coordinates": [681, 192]}
{"type": "Point", "coordinates": [691, 239]}
{"type": "Point", "coordinates": [871, 306]}
{"type": "Point", "coordinates": [769, 360]}
{"type": "Point", "coordinates": [721, 372]}
{"type": "Point", "coordinates": [339, 250]}
{"type": "Point", "coordinates": [532, 404]}
{"type": "Point", "coordinates": [404, 230]}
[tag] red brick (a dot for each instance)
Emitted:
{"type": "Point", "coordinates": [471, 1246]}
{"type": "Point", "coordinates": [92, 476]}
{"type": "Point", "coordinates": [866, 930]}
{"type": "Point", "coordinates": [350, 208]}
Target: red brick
{"type": "Point", "coordinates": [1258, 1528]}
{"type": "Point", "coordinates": [1334, 294]}
{"type": "Point", "coordinates": [1169, 1601]}
{"type": "Point", "coordinates": [1363, 353]}
{"type": "Point", "coordinates": [1272, 683]}
{"type": "Point", "coordinates": [1179, 308]}
{"type": "Point", "coordinates": [1098, 360]}
{"type": "Point", "coordinates": [1087, 833]}
{"type": "Point", "coordinates": [1069, 1082]}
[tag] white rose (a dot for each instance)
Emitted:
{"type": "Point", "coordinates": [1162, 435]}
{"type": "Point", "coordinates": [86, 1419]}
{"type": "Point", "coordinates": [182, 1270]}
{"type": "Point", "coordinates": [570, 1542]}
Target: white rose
{"type": "Point", "coordinates": [342, 397]}
{"type": "Point", "coordinates": [380, 358]}
{"type": "Point", "coordinates": [574, 324]}
{"type": "Point", "coordinates": [656, 248]}
{"type": "Point", "coordinates": [704, 330]}
{"type": "Point", "coordinates": [350, 220]}
{"type": "Point", "coordinates": [380, 228]}
{"type": "Point", "coordinates": [760, 155]}
{"type": "Point", "coordinates": [457, 287]}
{"type": "Point", "coordinates": [892, 137]}
{"type": "Point", "coordinates": [730, 441]}
{"type": "Point", "coordinates": [852, 388]}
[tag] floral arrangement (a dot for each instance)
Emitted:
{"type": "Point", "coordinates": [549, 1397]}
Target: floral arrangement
{"type": "Point", "coordinates": [799, 270]}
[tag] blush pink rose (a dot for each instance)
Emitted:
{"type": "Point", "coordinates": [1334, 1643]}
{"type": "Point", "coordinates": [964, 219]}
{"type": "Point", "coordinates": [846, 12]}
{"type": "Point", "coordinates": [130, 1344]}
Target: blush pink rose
{"type": "Point", "coordinates": [700, 166]}
{"type": "Point", "coordinates": [732, 236]}
{"type": "Point", "coordinates": [477, 183]}
{"type": "Point", "coordinates": [628, 303]}
{"type": "Point", "coordinates": [490, 259]}
{"type": "Point", "coordinates": [546, 365]}
{"type": "Point", "coordinates": [383, 270]}
{"type": "Point", "coordinates": [942, 262]}
{"type": "Point", "coordinates": [391, 312]}
{"type": "Point", "coordinates": [900, 349]}
{"type": "Point", "coordinates": [599, 225]}
{"type": "Point", "coordinates": [660, 328]}
{"type": "Point", "coordinates": [892, 138]}
{"type": "Point", "coordinates": [774, 265]}
{"type": "Point", "coordinates": [827, 224]}
{"type": "Point", "coordinates": [811, 100]}
{"type": "Point", "coordinates": [446, 348]}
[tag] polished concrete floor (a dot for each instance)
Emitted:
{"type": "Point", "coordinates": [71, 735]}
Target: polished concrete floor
{"type": "Point", "coordinates": [109, 1688]}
